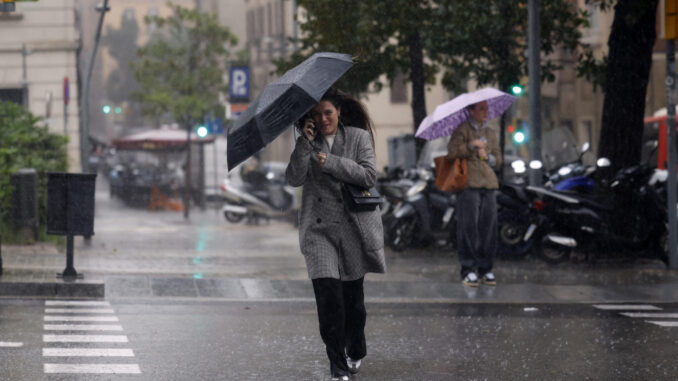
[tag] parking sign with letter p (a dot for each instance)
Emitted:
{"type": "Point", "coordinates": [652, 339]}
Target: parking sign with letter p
{"type": "Point", "coordinates": [239, 84]}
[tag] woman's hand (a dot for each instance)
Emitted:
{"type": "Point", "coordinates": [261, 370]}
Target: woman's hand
{"type": "Point", "coordinates": [309, 130]}
{"type": "Point", "coordinates": [322, 157]}
{"type": "Point", "coordinates": [479, 143]}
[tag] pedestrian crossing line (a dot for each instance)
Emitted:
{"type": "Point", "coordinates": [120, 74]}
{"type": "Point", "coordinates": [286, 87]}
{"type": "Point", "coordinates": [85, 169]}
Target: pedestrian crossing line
{"type": "Point", "coordinates": [663, 323]}
{"type": "Point", "coordinates": [79, 310]}
{"type": "Point", "coordinates": [97, 316]}
{"type": "Point", "coordinates": [93, 368]}
{"type": "Point", "coordinates": [11, 344]}
{"type": "Point", "coordinates": [81, 318]}
{"type": "Point", "coordinates": [84, 338]}
{"type": "Point", "coordinates": [655, 315]}
{"type": "Point", "coordinates": [82, 303]}
{"type": "Point", "coordinates": [87, 352]}
{"type": "Point", "coordinates": [82, 327]}
{"type": "Point", "coordinates": [627, 307]}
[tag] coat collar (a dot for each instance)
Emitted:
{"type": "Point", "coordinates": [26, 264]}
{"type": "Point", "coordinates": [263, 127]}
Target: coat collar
{"type": "Point", "coordinates": [338, 145]}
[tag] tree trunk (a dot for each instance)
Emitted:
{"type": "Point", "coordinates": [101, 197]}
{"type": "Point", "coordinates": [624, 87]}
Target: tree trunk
{"type": "Point", "coordinates": [630, 58]}
{"type": "Point", "coordinates": [418, 79]}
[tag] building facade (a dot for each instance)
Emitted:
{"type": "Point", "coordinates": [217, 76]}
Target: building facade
{"type": "Point", "coordinates": [38, 51]}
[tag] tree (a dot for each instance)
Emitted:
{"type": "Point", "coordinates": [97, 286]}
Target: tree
{"type": "Point", "coordinates": [25, 143]}
{"type": "Point", "coordinates": [481, 40]}
{"type": "Point", "coordinates": [383, 37]}
{"type": "Point", "coordinates": [624, 75]}
{"type": "Point", "coordinates": [182, 74]}
{"type": "Point", "coordinates": [486, 41]}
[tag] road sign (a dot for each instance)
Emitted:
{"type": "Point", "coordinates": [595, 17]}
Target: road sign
{"type": "Point", "coordinates": [239, 84]}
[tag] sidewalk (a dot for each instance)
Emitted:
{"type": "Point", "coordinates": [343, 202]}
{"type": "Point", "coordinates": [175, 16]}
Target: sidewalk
{"type": "Point", "coordinates": [139, 254]}
{"type": "Point", "coordinates": [413, 277]}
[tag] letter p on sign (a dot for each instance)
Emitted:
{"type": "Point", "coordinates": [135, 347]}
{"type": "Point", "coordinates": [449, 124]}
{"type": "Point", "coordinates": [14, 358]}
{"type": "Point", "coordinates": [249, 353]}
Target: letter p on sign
{"type": "Point", "coordinates": [239, 83]}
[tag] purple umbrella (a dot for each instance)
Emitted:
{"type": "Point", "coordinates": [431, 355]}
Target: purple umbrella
{"type": "Point", "coordinates": [447, 116]}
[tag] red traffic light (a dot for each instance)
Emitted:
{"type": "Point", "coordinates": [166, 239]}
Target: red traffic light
{"type": "Point", "coordinates": [510, 129]}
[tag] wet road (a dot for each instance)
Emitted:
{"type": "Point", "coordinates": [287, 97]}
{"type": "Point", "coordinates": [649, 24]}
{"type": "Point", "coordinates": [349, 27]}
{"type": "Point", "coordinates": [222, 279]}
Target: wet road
{"type": "Point", "coordinates": [206, 340]}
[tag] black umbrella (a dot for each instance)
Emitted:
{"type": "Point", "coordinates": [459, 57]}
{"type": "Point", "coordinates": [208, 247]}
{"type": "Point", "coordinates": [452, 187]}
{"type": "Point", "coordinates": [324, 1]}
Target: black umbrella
{"type": "Point", "coordinates": [282, 102]}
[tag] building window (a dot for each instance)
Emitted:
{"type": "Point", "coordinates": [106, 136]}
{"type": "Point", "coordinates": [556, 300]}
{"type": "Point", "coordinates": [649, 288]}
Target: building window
{"type": "Point", "coordinates": [399, 89]}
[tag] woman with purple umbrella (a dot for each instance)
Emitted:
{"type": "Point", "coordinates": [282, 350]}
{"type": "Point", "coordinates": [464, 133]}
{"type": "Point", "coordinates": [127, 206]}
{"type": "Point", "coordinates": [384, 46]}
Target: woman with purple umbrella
{"type": "Point", "coordinates": [476, 142]}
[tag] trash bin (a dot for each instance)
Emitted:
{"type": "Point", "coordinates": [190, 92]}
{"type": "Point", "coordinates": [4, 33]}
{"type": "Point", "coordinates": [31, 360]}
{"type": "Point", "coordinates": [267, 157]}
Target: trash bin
{"type": "Point", "coordinates": [70, 203]}
{"type": "Point", "coordinates": [25, 202]}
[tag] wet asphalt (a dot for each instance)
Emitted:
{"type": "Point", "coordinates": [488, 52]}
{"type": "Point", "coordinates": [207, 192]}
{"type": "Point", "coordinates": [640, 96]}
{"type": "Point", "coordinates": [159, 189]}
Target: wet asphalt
{"type": "Point", "coordinates": [204, 299]}
{"type": "Point", "coordinates": [199, 340]}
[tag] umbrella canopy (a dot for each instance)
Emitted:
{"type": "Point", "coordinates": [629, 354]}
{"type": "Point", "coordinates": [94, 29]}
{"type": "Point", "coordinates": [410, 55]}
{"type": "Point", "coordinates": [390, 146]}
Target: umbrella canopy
{"type": "Point", "coordinates": [448, 116]}
{"type": "Point", "coordinates": [282, 102]}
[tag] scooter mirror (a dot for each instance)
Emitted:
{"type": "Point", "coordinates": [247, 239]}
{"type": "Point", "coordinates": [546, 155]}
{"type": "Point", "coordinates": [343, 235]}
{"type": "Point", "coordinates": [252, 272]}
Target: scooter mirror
{"type": "Point", "coordinates": [603, 162]}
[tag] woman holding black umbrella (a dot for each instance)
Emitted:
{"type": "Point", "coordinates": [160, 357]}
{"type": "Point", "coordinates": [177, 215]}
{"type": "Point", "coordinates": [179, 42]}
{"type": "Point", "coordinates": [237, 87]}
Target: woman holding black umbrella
{"type": "Point", "coordinates": [339, 245]}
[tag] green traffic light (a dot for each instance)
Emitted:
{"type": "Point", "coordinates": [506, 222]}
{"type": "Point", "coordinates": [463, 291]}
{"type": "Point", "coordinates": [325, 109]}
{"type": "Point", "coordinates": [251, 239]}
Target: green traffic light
{"type": "Point", "coordinates": [118, 110]}
{"type": "Point", "coordinates": [516, 89]}
{"type": "Point", "coordinates": [202, 131]}
{"type": "Point", "coordinates": [106, 109]}
{"type": "Point", "coordinates": [519, 137]}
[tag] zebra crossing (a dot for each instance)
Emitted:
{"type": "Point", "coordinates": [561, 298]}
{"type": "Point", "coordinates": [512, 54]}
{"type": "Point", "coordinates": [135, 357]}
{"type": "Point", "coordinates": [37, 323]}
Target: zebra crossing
{"type": "Point", "coordinates": [643, 311]}
{"type": "Point", "coordinates": [78, 335]}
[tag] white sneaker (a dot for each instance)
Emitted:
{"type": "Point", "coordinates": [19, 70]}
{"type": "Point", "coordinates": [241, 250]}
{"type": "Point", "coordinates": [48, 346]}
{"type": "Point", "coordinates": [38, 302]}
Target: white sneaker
{"type": "Point", "coordinates": [353, 365]}
{"type": "Point", "coordinates": [488, 279]}
{"type": "Point", "coordinates": [340, 378]}
{"type": "Point", "coordinates": [471, 279]}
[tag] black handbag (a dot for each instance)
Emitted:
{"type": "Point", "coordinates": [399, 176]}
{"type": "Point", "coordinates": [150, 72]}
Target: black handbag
{"type": "Point", "coordinates": [359, 199]}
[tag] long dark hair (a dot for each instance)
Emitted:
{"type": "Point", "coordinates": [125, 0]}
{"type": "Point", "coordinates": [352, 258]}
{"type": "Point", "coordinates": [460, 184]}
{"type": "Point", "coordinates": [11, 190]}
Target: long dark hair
{"type": "Point", "coordinates": [353, 112]}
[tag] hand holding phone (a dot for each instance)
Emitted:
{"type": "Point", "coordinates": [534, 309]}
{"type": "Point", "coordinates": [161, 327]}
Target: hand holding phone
{"type": "Point", "coordinates": [309, 129]}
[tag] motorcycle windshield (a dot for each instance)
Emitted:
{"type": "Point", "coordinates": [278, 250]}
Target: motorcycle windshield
{"type": "Point", "coordinates": [559, 147]}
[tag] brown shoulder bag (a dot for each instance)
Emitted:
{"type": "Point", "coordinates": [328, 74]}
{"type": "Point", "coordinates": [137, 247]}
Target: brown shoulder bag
{"type": "Point", "coordinates": [451, 175]}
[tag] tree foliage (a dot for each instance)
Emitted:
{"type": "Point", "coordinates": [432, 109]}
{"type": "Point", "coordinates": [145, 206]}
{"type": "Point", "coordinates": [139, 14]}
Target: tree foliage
{"type": "Point", "coordinates": [25, 143]}
{"type": "Point", "coordinates": [482, 40]}
{"type": "Point", "coordinates": [181, 71]}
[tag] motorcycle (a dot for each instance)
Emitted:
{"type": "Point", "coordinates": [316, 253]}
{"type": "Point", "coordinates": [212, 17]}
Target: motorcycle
{"type": "Point", "coordinates": [627, 215]}
{"type": "Point", "coordinates": [425, 216]}
{"type": "Point", "coordinates": [262, 194]}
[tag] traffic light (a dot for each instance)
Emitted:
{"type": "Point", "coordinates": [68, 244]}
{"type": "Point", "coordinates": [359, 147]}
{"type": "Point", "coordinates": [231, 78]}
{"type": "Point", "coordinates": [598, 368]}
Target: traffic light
{"type": "Point", "coordinates": [516, 89]}
{"type": "Point", "coordinates": [118, 110]}
{"type": "Point", "coordinates": [202, 131]}
{"type": "Point", "coordinates": [519, 137]}
{"type": "Point", "coordinates": [106, 109]}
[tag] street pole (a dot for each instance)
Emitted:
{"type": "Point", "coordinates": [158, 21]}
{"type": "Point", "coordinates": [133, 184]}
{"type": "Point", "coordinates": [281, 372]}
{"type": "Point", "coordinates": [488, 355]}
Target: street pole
{"type": "Point", "coordinates": [534, 89]}
{"type": "Point", "coordinates": [671, 142]}
{"type": "Point", "coordinates": [84, 111]}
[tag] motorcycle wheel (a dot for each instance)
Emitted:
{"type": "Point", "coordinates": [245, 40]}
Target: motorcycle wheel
{"type": "Point", "coordinates": [233, 217]}
{"type": "Point", "coordinates": [401, 234]}
{"type": "Point", "coordinates": [552, 253]}
{"type": "Point", "coordinates": [512, 228]}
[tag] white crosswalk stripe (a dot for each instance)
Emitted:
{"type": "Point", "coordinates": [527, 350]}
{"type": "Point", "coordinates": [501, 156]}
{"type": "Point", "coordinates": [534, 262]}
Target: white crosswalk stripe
{"type": "Point", "coordinates": [627, 307]}
{"type": "Point", "coordinates": [66, 328]}
{"type": "Point", "coordinates": [647, 311]}
{"type": "Point", "coordinates": [93, 368]}
{"type": "Point", "coordinates": [78, 310]}
{"type": "Point", "coordinates": [87, 352]}
{"type": "Point", "coordinates": [80, 318]}
{"type": "Point", "coordinates": [79, 303]}
{"type": "Point", "coordinates": [82, 327]}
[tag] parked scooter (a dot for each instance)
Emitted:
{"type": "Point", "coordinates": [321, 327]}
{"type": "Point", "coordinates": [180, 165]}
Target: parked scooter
{"type": "Point", "coordinates": [424, 217]}
{"type": "Point", "coordinates": [262, 194]}
{"type": "Point", "coordinates": [628, 215]}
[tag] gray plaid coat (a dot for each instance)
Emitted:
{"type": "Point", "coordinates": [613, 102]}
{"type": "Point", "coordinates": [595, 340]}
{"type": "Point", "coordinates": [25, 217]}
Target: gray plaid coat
{"type": "Point", "coordinates": [337, 243]}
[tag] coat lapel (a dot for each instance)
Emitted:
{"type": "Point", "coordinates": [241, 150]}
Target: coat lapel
{"type": "Point", "coordinates": [339, 140]}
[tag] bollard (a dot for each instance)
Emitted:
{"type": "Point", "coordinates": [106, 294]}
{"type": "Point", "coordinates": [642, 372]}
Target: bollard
{"type": "Point", "coordinates": [70, 211]}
